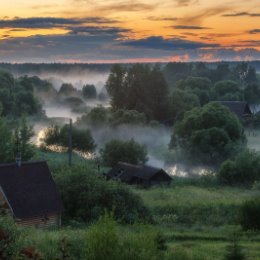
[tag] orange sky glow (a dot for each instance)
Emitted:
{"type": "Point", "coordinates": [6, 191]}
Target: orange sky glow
{"type": "Point", "coordinates": [149, 30]}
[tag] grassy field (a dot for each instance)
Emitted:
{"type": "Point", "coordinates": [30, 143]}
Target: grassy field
{"type": "Point", "coordinates": [196, 218]}
{"type": "Point", "coordinates": [194, 205]}
{"type": "Point", "coordinates": [198, 221]}
{"type": "Point", "coordinates": [196, 238]}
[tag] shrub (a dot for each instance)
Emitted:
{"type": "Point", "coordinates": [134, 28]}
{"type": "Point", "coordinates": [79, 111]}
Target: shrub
{"type": "Point", "coordinates": [244, 169]}
{"type": "Point", "coordinates": [9, 238]}
{"type": "Point", "coordinates": [125, 151]}
{"type": "Point", "coordinates": [81, 138]}
{"type": "Point", "coordinates": [234, 250]}
{"type": "Point", "coordinates": [105, 240]}
{"type": "Point", "coordinates": [122, 116]}
{"type": "Point", "coordinates": [86, 197]}
{"type": "Point", "coordinates": [209, 134]}
{"type": "Point", "coordinates": [89, 91]}
{"type": "Point", "coordinates": [250, 214]}
{"type": "Point", "coordinates": [96, 117]}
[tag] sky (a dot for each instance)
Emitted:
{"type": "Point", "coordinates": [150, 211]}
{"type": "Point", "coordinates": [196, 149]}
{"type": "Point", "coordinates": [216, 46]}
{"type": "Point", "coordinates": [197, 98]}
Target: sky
{"type": "Point", "coordinates": [97, 31]}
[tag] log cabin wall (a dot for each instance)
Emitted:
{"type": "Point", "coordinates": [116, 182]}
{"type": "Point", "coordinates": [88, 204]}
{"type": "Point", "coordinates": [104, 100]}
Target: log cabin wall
{"type": "Point", "coordinates": [49, 221]}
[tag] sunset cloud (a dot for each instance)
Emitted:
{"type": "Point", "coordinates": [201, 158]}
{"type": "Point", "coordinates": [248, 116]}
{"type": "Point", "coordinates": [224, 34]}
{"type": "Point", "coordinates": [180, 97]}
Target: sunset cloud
{"type": "Point", "coordinates": [131, 6]}
{"type": "Point", "coordinates": [186, 2]}
{"type": "Point", "coordinates": [242, 14]}
{"type": "Point", "coordinates": [201, 15]}
{"type": "Point", "coordinates": [161, 18]}
{"type": "Point", "coordinates": [110, 30]}
{"type": "Point", "coordinates": [49, 22]}
{"type": "Point", "coordinates": [189, 27]}
{"type": "Point", "coordinates": [254, 31]}
{"type": "Point", "coordinates": [166, 44]}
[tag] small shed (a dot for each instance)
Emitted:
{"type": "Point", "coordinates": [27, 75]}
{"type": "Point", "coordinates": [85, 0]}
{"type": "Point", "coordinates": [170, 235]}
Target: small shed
{"type": "Point", "coordinates": [140, 175]}
{"type": "Point", "coordinates": [29, 194]}
{"type": "Point", "coordinates": [240, 108]}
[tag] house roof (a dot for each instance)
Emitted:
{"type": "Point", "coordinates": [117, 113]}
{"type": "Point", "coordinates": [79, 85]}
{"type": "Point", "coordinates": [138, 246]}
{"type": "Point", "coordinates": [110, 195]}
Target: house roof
{"type": "Point", "coordinates": [30, 189]}
{"type": "Point", "coordinates": [126, 171]}
{"type": "Point", "coordinates": [240, 108]}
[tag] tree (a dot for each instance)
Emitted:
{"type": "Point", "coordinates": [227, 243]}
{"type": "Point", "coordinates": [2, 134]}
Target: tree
{"type": "Point", "coordinates": [175, 71]}
{"type": "Point", "coordinates": [96, 117]}
{"type": "Point", "coordinates": [209, 134]}
{"type": "Point", "coordinates": [125, 151]}
{"type": "Point", "coordinates": [181, 102]}
{"type": "Point", "coordinates": [141, 88]}
{"type": "Point", "coordinates": [6, 143]}
{"type": "Point", "coordinates": [17, 96]}
{"type": "Point", "coordinates": [22, 140]}
{"type": "Point", "coordinates": [243, 169]}
{"type": "Point", "coordinates": [223, 71]}
{"type": "Point", "coordinates": [157, 95]}
{"type": "Point", "coordinates": [250, 214]}
{"type": "Point", "coordinates": [200, 70]}
{"type": "Point", "coordinates": [228, 90]}
{"type": "Point", "coordinates": [81, 138]}
{"type": "Point", "coordinates": [89, 92]}
{"type": "Point", "coordinates": [245, 73]}
{"type": "Point", "coordinates": [122, 116]}
{"type": "Point", "coordinates": [67, 89]}
{"type": "Point", "coordinates": [199, 86]}
{"type": "Point", "coordinates": [51, 135]}
{"type": "Point", "coordinates": [79, 185]}
{"type": "Point", "coordinates": [116, 87]}
{"type": "Point", "coordinates": [252, 93]}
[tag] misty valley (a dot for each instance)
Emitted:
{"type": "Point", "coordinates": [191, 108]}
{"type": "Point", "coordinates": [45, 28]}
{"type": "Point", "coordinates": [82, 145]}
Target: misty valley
{"type": "Point", "coordinates": [130, 161]}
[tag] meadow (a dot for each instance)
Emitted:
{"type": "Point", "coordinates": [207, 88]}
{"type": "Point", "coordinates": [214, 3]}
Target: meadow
{"type": "Point", "coordinates": [198, 220]}
{"type": "Point", "coordinates": [195, 216]}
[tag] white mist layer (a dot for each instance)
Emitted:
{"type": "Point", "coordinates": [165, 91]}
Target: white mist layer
{"type": "Point", "coordinates": [77, 77]}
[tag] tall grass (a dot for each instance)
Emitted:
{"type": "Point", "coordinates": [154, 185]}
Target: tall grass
{"type": "Point", "coordinates": [193, 205]}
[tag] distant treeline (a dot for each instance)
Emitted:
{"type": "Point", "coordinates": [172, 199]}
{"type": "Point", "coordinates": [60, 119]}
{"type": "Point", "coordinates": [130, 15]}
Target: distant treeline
{"type": "Point", "coordinates": [25, 68]}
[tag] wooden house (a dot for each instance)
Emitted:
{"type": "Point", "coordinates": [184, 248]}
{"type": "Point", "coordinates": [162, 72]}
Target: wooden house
{"type": "Point", "coordinates": [140, 175]}
{"type": "Point", "coordinates": [29, 194]}
{"type": "Point", "coordinates": [240, 108]}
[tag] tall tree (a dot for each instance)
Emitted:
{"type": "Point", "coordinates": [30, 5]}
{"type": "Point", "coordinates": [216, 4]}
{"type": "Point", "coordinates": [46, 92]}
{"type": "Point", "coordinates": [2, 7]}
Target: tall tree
{"type": "Point", "coordinates": [139, 88]}
{"type": "Point", "coordinates": [22, 140]}
{"type": "Point", "coordinates": [6, 143]}
{"type": "Point", "coordinates": [116, 87]}
{"type": "Point", "coordinates": [209, 134]}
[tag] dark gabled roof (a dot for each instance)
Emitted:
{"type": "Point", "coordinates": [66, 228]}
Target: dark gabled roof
{"type": "Point", "coordinates": [126, 171]}
{"type": "Point", "coordinates": [240, 108]}
{"type": "Point", "coordinates": [30, 189]}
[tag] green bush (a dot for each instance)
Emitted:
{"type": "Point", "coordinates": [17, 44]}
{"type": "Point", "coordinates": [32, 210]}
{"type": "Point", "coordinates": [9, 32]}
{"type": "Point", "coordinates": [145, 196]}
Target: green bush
{"type": "Point", "coordinates": [122, 116]}
{"type": "Point", "coordinates": [96, 117]}
{"type": "Point", "coordinates": [87, 196]}
{"type": "Point", "coordinates": [209, 134]}
{"type": "Point", "coordinates": [103, 240]}
{"type": "Point", "coordinates": [9, 239]}
{"type": "Point", "coordinates": [250, 214]}
{"type": "Point", "coordinates": [81, 138]}
{"type": "Point", "coordinates": [234, 251]}
{"type": "Point", "coordinates": [106, 241]}
{"type": "Point", "coordinates": [124, 151]}
{"type": "Point", "coordinates": [244, 169]}
{"type": "Point", "coordinates": [89, 91]}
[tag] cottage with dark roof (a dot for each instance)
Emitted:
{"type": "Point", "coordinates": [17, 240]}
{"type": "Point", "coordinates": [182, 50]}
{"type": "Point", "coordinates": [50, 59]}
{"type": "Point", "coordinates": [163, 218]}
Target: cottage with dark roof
{"type": "Point", "coordinates": [240, 108]}
{"type": "Point", "coordinates": [141, 175]}
{"type": "Point", "coordinates": [29, 194]}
